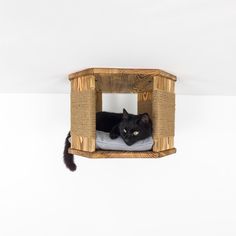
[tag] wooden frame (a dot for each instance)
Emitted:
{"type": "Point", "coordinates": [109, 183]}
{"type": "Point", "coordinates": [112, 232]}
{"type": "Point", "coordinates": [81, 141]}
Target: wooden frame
{"type": "Point", "coordinates": [156, 96]}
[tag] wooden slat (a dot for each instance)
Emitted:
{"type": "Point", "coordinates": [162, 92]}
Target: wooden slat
{"type": "Point", "coordinates": [145, 103]}
{"type": "Point", "coordinates": [128, 71]}
{"type": "Point", "coordinates": [163, 143]}
{"type": "Point", "coordinates": [82, 143]}
{"type": "Point", "coordinates": [122, 154]}
{"type": "Point", "coordinates": [98, 101]}
{"type": "Point", "coordinates": [161, 83]}
{"type": "Point", "coordinates": [123, 83]}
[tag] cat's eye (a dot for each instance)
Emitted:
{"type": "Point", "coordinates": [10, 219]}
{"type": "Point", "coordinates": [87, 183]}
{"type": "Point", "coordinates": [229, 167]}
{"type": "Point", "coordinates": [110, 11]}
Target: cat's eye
{"type": "Point", "coordinates": [135, 133]}
{"type": "Point", "coordinates": [125, 131]}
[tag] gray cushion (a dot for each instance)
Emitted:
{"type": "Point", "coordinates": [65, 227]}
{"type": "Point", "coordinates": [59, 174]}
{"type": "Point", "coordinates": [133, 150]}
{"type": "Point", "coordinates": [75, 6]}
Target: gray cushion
{"type": "Point", "coordinates": [103, 141]}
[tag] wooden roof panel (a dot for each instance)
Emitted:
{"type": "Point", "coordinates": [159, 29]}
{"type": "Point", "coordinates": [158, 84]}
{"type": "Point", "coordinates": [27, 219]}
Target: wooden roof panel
{"type": "Point", "coordinates": [128, 71]}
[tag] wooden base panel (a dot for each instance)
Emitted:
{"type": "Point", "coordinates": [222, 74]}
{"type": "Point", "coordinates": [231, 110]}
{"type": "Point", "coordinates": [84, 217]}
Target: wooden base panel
{"type": "Point", "coordinates": [122, 154]}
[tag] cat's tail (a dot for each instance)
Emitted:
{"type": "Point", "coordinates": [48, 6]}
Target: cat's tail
{"type": "Point", "coordinates": [68, 158]}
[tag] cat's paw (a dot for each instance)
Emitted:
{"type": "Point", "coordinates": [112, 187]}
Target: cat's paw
{"type": "Point", "coordinates": [114, 135]}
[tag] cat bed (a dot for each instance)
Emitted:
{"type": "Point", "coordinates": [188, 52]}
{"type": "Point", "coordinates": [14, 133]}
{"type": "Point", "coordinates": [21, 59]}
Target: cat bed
{"type": "Point", "coordinates": [104, 142]}
{"type": "Point", "coordinates": [155, 91]}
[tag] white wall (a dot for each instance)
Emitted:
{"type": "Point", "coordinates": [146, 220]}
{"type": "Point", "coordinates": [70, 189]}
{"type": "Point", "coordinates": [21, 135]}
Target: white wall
{"type": "Point", "coordinates": [190, 193]}
{"type": "Point", "coordinates": [42, 41]}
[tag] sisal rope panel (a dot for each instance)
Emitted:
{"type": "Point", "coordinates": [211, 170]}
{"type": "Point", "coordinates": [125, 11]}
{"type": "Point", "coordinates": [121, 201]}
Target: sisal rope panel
{"type": "Point", "coordinates": [163, 113]}
{"type": "Point", "coordinates": [83, 113]}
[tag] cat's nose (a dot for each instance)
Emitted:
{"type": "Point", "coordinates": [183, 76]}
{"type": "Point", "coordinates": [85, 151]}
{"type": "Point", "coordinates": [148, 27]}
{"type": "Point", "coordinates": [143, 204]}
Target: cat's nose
{"type": "Point", "coordinates": [127, 141]}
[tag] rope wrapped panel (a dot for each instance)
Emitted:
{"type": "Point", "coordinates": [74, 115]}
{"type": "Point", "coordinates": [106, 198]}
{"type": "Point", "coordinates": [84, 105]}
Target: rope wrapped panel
{"type": "Point", "coordinates": [83, 113]}
{"type": "Point", "coordinates": [163, 114]}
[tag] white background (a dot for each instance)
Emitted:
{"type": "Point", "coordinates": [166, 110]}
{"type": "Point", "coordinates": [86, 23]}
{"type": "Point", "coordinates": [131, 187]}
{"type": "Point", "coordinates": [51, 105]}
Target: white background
{"type": "Point", "coordinates": [42, 41]}
{"type": "Point", "coordinates": [190, 193]}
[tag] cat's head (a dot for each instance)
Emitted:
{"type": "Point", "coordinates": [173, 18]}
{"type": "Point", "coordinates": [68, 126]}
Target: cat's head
{"type": "Point", "coordinates": [135, 127]}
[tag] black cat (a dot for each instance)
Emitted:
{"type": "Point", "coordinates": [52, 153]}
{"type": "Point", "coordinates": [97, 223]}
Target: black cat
{"type": "Point", "coordinates": [131, 128]}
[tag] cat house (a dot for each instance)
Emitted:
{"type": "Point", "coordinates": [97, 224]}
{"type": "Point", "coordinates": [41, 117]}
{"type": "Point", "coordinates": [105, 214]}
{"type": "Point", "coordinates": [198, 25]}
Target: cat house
{"type": "Point", "coordinates": [155, 91]}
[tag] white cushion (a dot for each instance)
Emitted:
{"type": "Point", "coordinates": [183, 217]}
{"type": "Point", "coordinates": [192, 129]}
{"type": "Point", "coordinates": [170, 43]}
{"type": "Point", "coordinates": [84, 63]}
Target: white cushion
{"type": "Point", "coordinates": [103, 141]}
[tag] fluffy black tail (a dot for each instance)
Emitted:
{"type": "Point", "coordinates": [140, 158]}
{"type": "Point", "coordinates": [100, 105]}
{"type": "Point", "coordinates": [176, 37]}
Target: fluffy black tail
{"type": "Point", "coordinates": [68, 158]}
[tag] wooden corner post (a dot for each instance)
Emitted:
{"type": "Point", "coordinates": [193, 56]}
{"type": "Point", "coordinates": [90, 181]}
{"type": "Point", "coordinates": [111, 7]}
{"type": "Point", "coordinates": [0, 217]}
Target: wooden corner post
{"type": "Point", "coordinates": [145, 103]}
{"type": "Point", "coordinates": [163, 113]}
{"type": "Point", "coordinates": [83, 113]}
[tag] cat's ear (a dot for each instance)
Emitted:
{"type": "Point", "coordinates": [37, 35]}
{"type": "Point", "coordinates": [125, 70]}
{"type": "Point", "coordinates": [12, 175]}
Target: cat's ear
{"type": "Point", "coordinates": [144, 118]}
{"type": "Point", "coordinates": [125, 114]}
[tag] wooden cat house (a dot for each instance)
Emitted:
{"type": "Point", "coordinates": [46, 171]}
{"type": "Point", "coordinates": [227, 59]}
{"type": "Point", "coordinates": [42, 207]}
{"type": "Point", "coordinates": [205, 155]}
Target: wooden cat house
{"type": "Point", "coordinates": [155, 90]}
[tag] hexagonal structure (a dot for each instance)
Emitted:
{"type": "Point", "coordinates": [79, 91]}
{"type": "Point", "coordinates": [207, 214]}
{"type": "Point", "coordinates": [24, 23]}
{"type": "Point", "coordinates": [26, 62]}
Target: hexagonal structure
{"type": "Point", "coordinates": [156, 96]}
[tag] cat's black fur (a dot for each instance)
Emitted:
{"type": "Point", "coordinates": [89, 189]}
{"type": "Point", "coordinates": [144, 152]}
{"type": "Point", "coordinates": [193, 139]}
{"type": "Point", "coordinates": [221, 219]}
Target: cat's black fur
{"type": "Point", "coordinates": [123, 124]}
